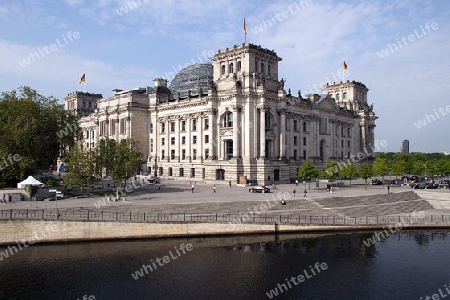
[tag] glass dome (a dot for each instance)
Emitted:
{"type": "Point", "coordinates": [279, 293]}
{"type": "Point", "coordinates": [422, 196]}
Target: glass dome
{"type": "Point", "coordinates": [192, 78]}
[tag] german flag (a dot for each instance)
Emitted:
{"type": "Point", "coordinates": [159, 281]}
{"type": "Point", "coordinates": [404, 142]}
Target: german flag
{"type": "Point", "coordinates": [245, 26]}
{"type": "Point", "coordinates": [82, 79]}
{"type": "Point", "coordinates": [344, 66]}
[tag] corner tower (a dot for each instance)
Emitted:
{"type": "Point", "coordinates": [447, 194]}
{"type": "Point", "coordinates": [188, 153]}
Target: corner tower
{"type": "Point", "coordinates": [249, 64]}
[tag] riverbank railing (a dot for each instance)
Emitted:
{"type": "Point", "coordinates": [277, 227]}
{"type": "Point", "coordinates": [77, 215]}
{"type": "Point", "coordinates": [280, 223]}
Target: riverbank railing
{"type": "Point", "coordinates": [231, 218]}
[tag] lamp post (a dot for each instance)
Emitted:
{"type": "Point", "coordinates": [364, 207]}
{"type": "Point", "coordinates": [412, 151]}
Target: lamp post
{"type": "Point", "coordinates": [155, 166]}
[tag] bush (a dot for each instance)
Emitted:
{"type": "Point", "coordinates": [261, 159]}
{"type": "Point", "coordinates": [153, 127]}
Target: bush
{"type": "Point", "coordinates": [50, 183]}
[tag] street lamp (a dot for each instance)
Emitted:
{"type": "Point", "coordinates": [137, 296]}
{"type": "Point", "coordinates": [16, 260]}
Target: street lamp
{"type": "Point", "coordinates": [155, 166]}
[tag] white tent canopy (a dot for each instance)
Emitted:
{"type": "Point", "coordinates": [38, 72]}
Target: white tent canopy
{"type": "Point", "coordinates": [29, 181]}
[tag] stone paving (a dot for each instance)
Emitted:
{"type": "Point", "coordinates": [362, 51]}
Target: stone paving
{"type": "Point", "coordinates": [176, 197]}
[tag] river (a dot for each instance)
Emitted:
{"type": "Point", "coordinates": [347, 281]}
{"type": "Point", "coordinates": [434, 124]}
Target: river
{"type": "Point", "coordinates": [402, 265]}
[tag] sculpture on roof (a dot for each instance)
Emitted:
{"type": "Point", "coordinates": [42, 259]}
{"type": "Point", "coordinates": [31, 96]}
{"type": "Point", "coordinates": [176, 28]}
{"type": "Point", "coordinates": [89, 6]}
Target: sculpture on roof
{"type": "Point", "coordinates": [281, 85]}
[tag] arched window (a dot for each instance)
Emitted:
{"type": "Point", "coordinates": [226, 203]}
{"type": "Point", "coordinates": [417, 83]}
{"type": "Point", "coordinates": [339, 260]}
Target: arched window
{"type": "Point", "coordinates": [338, 97]}
{"type": "Point", "coordinates": [231, 68]}
{"type": "Point", "coordinates": [228, 120]}
{"type": "Point", "coordinates": [239, 66]}
{"type": "Point", "coordinates": [345, 95]}
{"type": "Point", "coordinates": [268, 70]}
{"type": "Point", "coordinates": [223, 69]}
{"type": "Point", "coordinates": [262, 68]}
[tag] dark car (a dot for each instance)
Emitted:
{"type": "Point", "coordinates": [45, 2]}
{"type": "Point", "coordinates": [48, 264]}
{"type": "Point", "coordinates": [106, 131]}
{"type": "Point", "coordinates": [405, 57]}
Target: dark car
{"type": "Point", "coordinates": [259, 189]}
{"type": "Point", "coordinates": [432, 185]}
{"type": "Point", "coordinates": [377, 182]}
{"type": "Point", "coordinates": [421, 185]}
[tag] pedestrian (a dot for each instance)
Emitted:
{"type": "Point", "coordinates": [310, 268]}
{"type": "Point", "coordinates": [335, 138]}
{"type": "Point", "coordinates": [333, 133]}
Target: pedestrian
{"type": "Point", "coordinates": [273, 185]}
{"type": "Point", "coordinates": [389, 188]}
{"type": "Point", "coordinates": [331, 190]}
{"type": "Point", "coordinates": [283, 202]}
{"type": "Point", "coordinates": [304, 193]}
{"type": "Point", "coordinates": [229, 183]}
{"type": "Point", "coordinates": [192, 187]}
{"type": "Point", "coordinates": [159, 186]}
{"type": "Point", "coordinates": [293, 192]}
{"type": "Point", "coordinates": [296, 182]}
{"type": "Point", "coordinates": [214, 189]}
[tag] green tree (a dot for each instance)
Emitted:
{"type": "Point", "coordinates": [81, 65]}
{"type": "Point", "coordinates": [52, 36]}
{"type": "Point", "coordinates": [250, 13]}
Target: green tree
{"type": "Point", "coordinates": [308, 171]}
{"type": "Point", "coordinates": [380, 167]}
{"type": "Point", "coordinates": [332, 170]}
{"type": "Point", "coordinates": [349, 171]}
{"type": "Point", "coordinates": [104, 157]}
{"type": "Point", "coordinates": [365, 171]}
{"type": "Point", "coordinates": [81, 166]}
{"type": "Point", "coordinates": [34, 127]}
{"type": "Point", "coordinates": [127, 161]}
{"type": "Point", "coordinates": [399, 168]}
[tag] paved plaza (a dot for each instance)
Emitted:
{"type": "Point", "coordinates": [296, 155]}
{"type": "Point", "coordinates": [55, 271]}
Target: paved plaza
{"type": "Point", "coordinates": [177, 197]}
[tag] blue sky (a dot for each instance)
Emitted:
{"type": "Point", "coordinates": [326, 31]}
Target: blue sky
{"type": "Point", "coordinates": [399, 49]}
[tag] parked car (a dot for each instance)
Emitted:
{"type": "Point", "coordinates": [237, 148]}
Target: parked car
{"type": "Point", "coordinates": [259, 189]}
{"type": "Point", "coordinates": [431, 185]}
{"type": "Point", "coordinates": [421, 185]}
{"type": "Point", "coordinates": [377, 182]}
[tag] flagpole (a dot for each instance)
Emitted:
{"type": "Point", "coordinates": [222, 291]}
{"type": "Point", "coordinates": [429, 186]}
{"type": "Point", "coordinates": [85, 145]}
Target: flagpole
{"type": "Point", "coordinates": [84, 86]}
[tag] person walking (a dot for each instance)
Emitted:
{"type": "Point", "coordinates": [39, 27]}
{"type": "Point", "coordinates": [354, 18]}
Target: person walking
{"type": "Point", "coordinates": [389, 188]}
{"type": "Point", "coordinates": [229, 183]}
{"type": "Point", "coordinates": [214, 189]}
{"type": "Point", "coordinates": [296, 182]}
{"type": "Point", "coordinates": [159, 186]}
{"type": "Point", "coordinates": [304, 193]}
{"type": "Point", "coordinates": [192, 188]}
{"type": "Point", "coordinates": [293, 192]}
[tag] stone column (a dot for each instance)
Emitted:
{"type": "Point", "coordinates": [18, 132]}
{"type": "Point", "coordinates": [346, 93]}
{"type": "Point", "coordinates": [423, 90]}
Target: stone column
{"type": "Point", "coordinates": [262, 121]}
{"type": "Point", "coordinates": [200, 145]}
{"type": "Point", "coordinates": [213, 139]}
{"type": "Point", "coordinates": [167, 145]}
{"type": "Point", "coordinates": [236, 131]}
{"type": "Point", "coordinates": [282, 133]}
{"type": "Point", "coordinates": [188, 139]}
{"type": "Point", "coordinates": [177, 140]}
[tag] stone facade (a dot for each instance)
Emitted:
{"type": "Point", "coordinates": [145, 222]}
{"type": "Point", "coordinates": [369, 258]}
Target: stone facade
{"type": "Point", "coordinates": [244, 128]}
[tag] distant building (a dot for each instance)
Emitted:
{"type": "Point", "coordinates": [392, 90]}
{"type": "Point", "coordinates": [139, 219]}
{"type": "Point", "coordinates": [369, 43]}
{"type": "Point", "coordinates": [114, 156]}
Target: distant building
{"type": "Point", "coordinates": [405, 146]}
{"type": "Point", "coordinates": [232, 121]}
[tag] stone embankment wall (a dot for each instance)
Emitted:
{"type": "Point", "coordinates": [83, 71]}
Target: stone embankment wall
{"type": "Point", "coordinates": [19, 231]}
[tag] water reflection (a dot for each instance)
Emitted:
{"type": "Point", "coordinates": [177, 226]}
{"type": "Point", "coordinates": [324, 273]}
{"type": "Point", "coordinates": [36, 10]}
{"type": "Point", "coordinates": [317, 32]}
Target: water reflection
{"type": "Point", "coordinates": [404, 265]}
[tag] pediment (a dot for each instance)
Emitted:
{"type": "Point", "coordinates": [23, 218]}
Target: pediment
{"type": "Point", "coordinates": [328, 103]}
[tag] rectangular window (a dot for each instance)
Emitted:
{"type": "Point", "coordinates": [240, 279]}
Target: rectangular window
{"type": "Point", "coordinates": [183, 125]}
{"type": "Point", "coordinates": [192, 172]}
{"type": "Point", "coordinates": [151, 145]}
{"type": "Point", "coordinates": [172, 126]}
{"type": "Point", "coordinates": [183, 154]}
{"type": "Point", "coordinates": [194, 124]}
{"type": "Point", "coordinates": [342, 130]}
{"type": "Point", "coordinates": [92, 133]}
{"type": "Point", "coordinates": [86, 134]}
{"type": "Point", "coordinates": [295, 125]}
{"type": "Point", "coordinates": [122, 126]}
{"type": "Point", "coordinates": [348, 132]}
{"type": "Point", "coordinates": [304, 126]}
{"type": "Point", "coordinates": [194, 154]}
{"type": "Point", "coordinates": [206, 124]}
{"type": "Point", "coordinates": [172, 154]}
{"type": "Point", "coordinates": [304, 154]}
{"type": "Point", "coordinates": [183, 140]}
{"type": "Point", "coordinates": [163, 127]}
{"type": "Point", "coordinates": [295, 140]}
{"type": "Point", "coordinates": [151, 128]}
{"type": "Point", "coordinates": [206, 153]}
{"type": "Point", "coordinates": [112, 128]}
{"type": "Point", "coordinates": [348, 144]}
{"type": "Point", "coordinates": [342, 144]}
{"type": "Point", "coordinates": [162, 154]}
{"type": "Point", "coordinates": [295, 155]}
{"type": "Point", "coordinates": [163, 141]}
{"type": "Point", "coordinates": [194, 139]}
{"type": "Point", "coordinates": [181, 172]}
{"type": "Point", "coordinates": [206, 139]}
{"type": "Point", "coordinates": [172, 141]}
{"type": "Point", "coordinates": [304, 141]}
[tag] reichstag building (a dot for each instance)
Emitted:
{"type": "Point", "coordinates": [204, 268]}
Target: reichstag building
{"type": "Point", "coordinates": [231, 120]}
